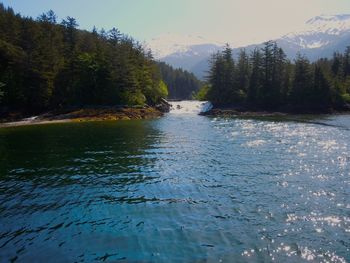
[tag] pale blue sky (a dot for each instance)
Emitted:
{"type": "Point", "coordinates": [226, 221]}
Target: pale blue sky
{"type": "Point", "coordinates": [234, 21]}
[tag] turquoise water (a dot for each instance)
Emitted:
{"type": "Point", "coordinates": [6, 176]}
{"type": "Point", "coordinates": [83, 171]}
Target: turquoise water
{"type": "Point", "coordinates": [183, 188]}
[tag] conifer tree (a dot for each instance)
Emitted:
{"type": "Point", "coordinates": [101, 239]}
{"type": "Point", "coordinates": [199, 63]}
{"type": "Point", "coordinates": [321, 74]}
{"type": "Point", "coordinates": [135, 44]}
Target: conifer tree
{"type": "Point", "coordinates": [256, 78]}
{"type": "Point", "coordinates": [243, 71]}
{"type": "Point", "coordinates": [302, 82]}
{"type": "Point", "coordinates": [321, 92]}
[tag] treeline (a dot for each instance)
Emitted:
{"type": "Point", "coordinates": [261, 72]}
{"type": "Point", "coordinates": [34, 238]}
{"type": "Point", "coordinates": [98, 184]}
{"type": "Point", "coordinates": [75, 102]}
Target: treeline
{"type": "Point", "coordinates": [266, 79]}
{"type": "Point", "coordinates": [181, 83]}
{"type": "Point", "coordinates": [48, 65]}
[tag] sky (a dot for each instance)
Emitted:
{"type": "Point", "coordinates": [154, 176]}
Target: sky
{"type": "Point", "coordinates": [238, 22]}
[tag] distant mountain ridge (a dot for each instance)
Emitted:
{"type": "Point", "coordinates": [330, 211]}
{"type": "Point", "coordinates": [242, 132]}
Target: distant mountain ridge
{"type": "Point", "coordinates": [320, 37]}
{"type": "Point", "coordinates": [320, 32]}
{"type": "Point", "coordinates": [175, 44]}
{"type": "Point", "coordinates": [187, 52]}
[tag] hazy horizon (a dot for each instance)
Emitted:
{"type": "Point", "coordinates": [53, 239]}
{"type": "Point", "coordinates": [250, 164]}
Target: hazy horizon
{"type": "Point", "coordinates": [236, 22]}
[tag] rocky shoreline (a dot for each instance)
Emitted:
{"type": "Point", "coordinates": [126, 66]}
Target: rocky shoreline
{"type": "Point", "coordinates": [87, 114]}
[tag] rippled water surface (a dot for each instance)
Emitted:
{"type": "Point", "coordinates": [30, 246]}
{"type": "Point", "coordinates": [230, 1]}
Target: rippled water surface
{"type": "Point", "coordinates": [183, 188]}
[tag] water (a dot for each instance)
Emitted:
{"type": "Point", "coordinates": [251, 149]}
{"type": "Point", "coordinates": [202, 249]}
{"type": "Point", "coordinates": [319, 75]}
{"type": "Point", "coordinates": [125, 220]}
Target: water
{"type": "Point", "coordinates": [183, 188]}
{"type": "Point", "coordinates": [190, 107]}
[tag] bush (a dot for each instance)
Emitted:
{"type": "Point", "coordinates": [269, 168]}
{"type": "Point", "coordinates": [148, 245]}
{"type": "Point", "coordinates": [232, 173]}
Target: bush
{"type": "Point", "coordinates": [133, 98]}
{"type": "Point", "coordinates": [346, 97]}
{"type": "Point", "coordinates": [202, 93]}
{"type": "Point", "coordinates": [153, 94]}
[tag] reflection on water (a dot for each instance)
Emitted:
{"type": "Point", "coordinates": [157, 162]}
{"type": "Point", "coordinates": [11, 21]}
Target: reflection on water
{"type": "Point", "coordinates": [183, 188]}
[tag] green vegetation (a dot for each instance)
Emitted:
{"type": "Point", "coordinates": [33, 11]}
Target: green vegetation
{"type": "Point", "coordinates": [267, 80]}
{"type": "Point", "coordinates": [181, 83]}
{"type": "Point", "coordinates": [1, 92]}
{"type": "Point", "coordinates": [202, 94]}
{"type": "Point", "coordinates": [49, 65]}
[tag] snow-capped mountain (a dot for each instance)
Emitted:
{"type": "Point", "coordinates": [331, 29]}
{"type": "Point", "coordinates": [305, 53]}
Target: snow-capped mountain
{"type": "Point", "coordinates": [188, 52]}
{"type": "Point", "coordinates": [179, 45]}
{"type": "Point", "coordinates": [319, 37]}
{"type": "Point", "coordinates": [320, 31]}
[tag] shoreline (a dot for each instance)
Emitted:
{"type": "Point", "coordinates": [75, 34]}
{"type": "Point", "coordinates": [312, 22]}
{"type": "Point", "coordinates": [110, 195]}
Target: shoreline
{"type": "Point", "coordinates": [245, 112]}
{"type": "Point", "coordinates": [87, 115]}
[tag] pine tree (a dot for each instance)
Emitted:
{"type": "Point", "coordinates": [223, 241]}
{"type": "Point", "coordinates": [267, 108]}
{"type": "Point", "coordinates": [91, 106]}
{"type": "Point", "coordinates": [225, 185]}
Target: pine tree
{"type": "Point", "coordinates": [321, 92]}
{"type": "Point", "coordinates": [70, 34]}
{"type": "Point", "coordinates": [302, 82]}
{"type": "Point", "coordinates": [243, 71]}
{"type": "Point", "coordinates": [267, 71]}
{"type": "Point", "coordinates": [337, 64]}
{"type": "Point", "coordinates": [181, 83]}
{"type": "Point", "coordinates": [279, 78]}
{"type": "Point", "coordinates": [256, 77]}
{"type": "Point", "coordinates": [223, 86]}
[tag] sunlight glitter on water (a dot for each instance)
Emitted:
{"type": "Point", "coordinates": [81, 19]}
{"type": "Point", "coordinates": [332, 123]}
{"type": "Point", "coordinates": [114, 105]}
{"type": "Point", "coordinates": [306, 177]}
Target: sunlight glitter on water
{"type": "Point", "coordinates": [309, 146]}
{"type": "Point", "coordinates": [183, 188]}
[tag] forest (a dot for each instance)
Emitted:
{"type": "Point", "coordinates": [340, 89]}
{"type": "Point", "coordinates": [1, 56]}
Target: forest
{"type": "Point", "coordinates": [46, 64]}
{"type": "Point", "coordinates": [267, 80]}
{"type": "Point", "coordinates": [50, 65]}
{"type": "Point", "coordinates": [181, 83]}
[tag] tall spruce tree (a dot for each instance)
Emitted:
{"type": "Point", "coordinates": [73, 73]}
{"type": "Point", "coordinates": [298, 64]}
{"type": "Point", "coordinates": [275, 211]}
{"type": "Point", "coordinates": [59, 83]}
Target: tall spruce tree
{"type": "Point", "coordinates": [242, 71]}
{"type": "Point", "coordinates": [302, 82]}
{"type": "Point", "coordinates": [320, 97]}
{"type": "Point", "coordinates": [256, 78]}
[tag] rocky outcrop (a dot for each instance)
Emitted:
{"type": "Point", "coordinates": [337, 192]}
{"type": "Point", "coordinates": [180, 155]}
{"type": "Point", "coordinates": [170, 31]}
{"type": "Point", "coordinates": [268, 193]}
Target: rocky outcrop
{"type": "Point", "coordinates": [89, 114]}
{"type": "Point", "coordinates": [163, 105]}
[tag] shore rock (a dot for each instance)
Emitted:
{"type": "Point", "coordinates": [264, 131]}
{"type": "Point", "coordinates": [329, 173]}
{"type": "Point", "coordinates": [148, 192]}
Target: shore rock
{"type": "Point", "coordinates": [163, 105]}
{"type": "Point", "coordinates": [89, 114]}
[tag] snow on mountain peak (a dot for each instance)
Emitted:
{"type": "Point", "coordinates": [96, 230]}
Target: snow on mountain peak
{"type": "Point", "coordinates": [318, 31]}
{"type": "Point", "coordinates": [328, 18]}
{"type": "Point", "coordinates": [168, 44]}
{"type": "Point", "coordinates": [329, 24]}
{"type": "Point", "coordinates": [318, 37]}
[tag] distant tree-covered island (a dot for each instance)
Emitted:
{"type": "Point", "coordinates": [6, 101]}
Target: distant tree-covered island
{"type": "Point", "coordinates": [48, 65]}
{"type": "Point", "coordinates": [266, 80]}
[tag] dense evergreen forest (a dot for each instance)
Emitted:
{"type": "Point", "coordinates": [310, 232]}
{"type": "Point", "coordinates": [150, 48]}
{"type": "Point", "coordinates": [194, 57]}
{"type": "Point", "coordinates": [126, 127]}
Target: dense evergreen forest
{"type": "Point", "coordinates": [266, 79]}
{"type": "Point", "coordinates": [49, 65]}
{"type": "Point", "coordinates": [181, 83]}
